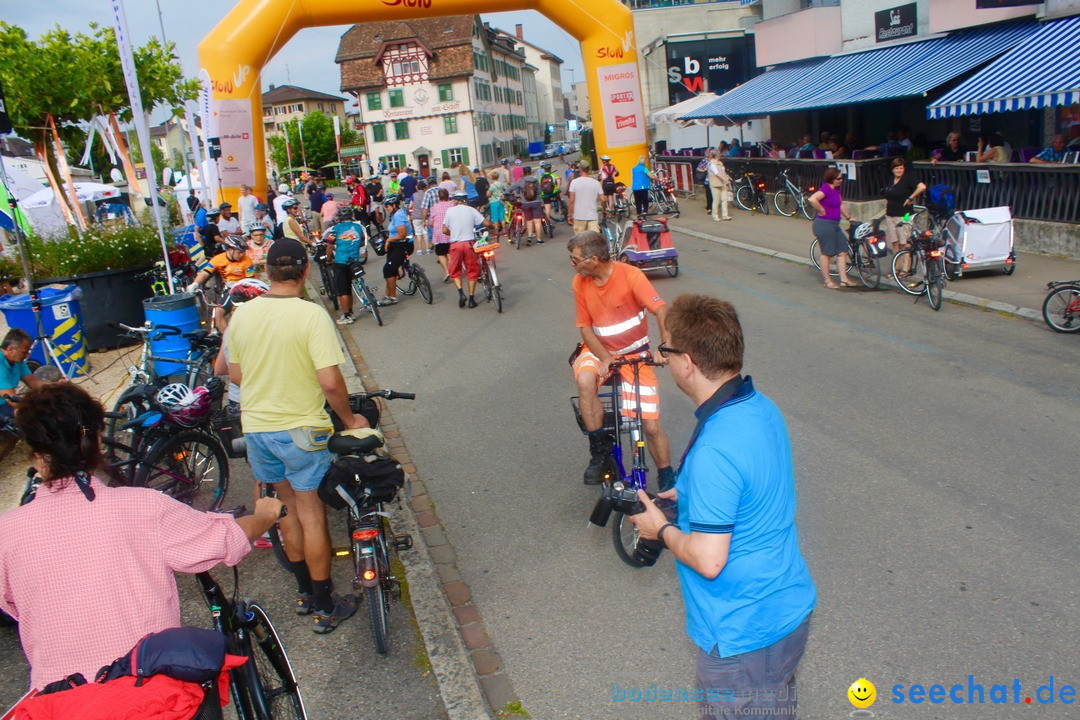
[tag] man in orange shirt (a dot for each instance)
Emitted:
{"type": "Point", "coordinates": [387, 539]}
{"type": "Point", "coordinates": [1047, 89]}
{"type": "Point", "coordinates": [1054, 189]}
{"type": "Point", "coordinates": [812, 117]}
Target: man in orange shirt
{"type": "Point", "coordinates": [612, 300]}
{"type": "Point", "coordinates": [233, 265]}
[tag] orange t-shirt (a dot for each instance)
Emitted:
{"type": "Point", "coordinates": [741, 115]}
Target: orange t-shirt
{"type": "Point", "coordinates": [616, 310]}
{"type": "Point", "coordinates": [233, 272]}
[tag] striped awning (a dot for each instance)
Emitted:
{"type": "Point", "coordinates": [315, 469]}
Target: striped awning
{"type": "Point", "coordinates": [896, 71]}
{"type": "Point", "coordinates": [1043, 71]}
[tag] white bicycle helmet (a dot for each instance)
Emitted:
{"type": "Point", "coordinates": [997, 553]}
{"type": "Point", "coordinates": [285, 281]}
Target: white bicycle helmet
{"type": "Point", "coordinates": [183, 405]}
{"type": "Point", "coordinates": [247, 289]}
{"type": "Point", "coordinates": [863, 231]}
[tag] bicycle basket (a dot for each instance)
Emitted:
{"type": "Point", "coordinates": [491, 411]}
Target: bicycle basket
{"type": "Point", "coordinates": [608, 402]}
{"type": "Point", "coordinates": [365, 480]}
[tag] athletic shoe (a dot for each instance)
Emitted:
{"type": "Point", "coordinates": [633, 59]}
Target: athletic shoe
{"type": "Point", "coordinates": [472, 303]}
{"type": "Point", "coordinates": [344, 608]}
{"type": "Point", "coordinates": [446, 278]}
{"type": "Point", "coordinates": [346, 319]}
{"type": "Point", "coordinates": [304, 603]}
{"type": "Point", "coordinates": [388, 301]}
{"type": "Point", "coordinates": [461, 301]}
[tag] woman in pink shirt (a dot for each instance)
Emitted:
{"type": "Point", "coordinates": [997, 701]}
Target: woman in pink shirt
{"type": "Point", "coordinates": [329, 210]}
{"type": "Point", "coordinates": [438, 239]}
{"type": "Point", "coordinates": [86, 569]}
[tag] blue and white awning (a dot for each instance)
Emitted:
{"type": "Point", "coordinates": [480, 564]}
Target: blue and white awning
{"type": "Point", "coordinates": [1043, 71]}
{"type": "Point", "coordinates": [886, 73]}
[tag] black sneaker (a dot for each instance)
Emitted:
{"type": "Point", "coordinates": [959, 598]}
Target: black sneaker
{"type": "Point", "coordinates": [472, 303]}
{"type": "Point", "coordinates": [461, 301]}
{"type": "Point", "coordinates": [344, 608]}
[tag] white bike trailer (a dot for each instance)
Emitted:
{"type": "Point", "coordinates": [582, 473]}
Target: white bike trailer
{"type": "Point", "coordinates": [979, 240]}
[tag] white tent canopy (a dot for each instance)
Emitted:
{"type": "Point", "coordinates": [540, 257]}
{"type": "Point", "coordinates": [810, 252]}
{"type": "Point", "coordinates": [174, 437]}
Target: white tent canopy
{"type": "Point", "coordinates": [672, 113]}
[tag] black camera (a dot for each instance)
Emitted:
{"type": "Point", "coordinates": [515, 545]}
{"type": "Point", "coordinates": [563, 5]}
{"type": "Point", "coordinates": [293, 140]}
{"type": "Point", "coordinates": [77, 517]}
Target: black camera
{"type": "Point", "coordinates": [616, 496]}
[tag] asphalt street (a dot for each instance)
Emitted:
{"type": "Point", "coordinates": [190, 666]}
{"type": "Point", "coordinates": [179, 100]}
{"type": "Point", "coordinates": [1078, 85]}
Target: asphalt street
{"type": "Point", "coordinates": [932, 454]}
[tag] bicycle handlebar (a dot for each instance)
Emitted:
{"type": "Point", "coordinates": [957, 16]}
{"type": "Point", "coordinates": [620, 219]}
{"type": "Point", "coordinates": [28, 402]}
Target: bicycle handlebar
{"type": "Point", "coordinates": [635, 360]}
{"type": "Point", "coordinates": [161, 331]}
{"type": "Point", "coordinates": [386, 394]}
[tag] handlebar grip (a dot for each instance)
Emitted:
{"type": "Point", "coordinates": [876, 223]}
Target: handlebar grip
{"type": "Point", "coordinates": [394, 395]}
{"type": "Point", "coordinates": [167, 330]}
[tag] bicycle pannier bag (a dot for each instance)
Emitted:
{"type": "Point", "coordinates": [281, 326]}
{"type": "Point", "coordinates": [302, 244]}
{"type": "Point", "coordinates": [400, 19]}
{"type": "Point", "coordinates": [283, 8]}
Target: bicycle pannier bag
{"type": "Point", "coordinates": [368, 479]}
{"type": "Point", "coordinates": [940, 200]}
{"type": "Point", "coordinates": [877, 245]}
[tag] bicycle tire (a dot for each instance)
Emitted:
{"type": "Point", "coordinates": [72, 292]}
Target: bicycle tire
{"type": "Point", "coordinates": [624, 536]}
{"type": "Point", "coordinates": [815, 257]}
{"type": "Point", "coordinates": [518, 234]}
{"type": "Point", "coordinates": [935, 285]}
{"type": "Point", "coordinates": [1009, 268]}
{"type": "Point", "coordinates": [378, 610]}
{"type": "Point", "coordinates": [367, 298]}
{"type": "Point", "coordinates": [276, 684]}
{"type": "Point", "coordinates": [557, 212]}
{"type": "Point", "coordinates": [200, 374]}
{"type": "Point", "coordinates": [328, 285]}
{"type": "Point", "coordinates": [785, 203]}
{"type": "Point", "coordinates": [1061, 309]}
{"type": "Point", "coordinates": [763, 204]}
{"type": "Point", "coordinates": [950, 264]}
{"type": "Point", "coordinates": [917, 286]}
{"type": "Point", "coordinates": [868, 268]}
{"type": "Point", "coordinates": [673, 270]}
{"type": "Point", "coordinates": [744, 198]}
{"type": "Point", "coordinates": [497, 298]}
{"type": "Point", "coordinates": [113, 433]}
{"type": "Point", "coordinates": [407, 284]}
{"type": "Point", "coordinates": [422, 283]}
{"type": "Point", "coordinates": [176, 466]}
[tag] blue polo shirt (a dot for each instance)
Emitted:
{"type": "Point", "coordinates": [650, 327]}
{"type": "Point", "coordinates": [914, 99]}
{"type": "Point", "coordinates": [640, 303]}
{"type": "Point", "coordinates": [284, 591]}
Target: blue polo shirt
{"type": "Point", "coordinates": [408, 186]}
{"type": "Point", "coordinates": [641, 180]}
{"type": "Point", "coordinates": [11, 375]}
{"type": "Point", "coordinates": [738, 478]}
{"type": "Point", "coordinates": [400, 219]}
{"type": "Point", "coordinates": [349, 237]}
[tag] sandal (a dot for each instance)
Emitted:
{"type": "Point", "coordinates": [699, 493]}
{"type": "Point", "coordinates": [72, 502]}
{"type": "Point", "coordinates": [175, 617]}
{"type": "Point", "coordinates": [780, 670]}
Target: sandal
{"type": "Point", "coordinates": [832, 286]}
{"type": "Point", "coordinates": [849, 284]}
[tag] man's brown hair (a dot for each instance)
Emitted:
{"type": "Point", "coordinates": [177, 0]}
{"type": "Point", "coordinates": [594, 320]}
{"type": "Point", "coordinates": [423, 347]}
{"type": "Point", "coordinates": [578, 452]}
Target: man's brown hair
{"type": "Point", "coordinates": [708, 329]}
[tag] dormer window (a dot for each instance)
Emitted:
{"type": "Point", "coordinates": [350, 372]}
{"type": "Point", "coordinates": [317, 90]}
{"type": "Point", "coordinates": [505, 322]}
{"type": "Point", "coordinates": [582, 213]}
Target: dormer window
{"type": "Point", "coordinates": [404, 63]}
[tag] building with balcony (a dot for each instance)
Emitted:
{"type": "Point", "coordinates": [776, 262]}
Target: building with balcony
{"type": "Point", "coordinates": [282, 103]}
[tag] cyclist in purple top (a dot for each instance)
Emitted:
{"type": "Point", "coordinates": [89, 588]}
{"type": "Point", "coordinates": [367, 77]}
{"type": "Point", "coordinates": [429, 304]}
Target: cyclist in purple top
{"type": "Point", "coordinates": [830, 207]}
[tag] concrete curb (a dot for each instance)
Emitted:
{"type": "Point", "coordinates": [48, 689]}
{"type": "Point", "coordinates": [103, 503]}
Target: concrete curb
{"type": "Point", "coordinates": [467, 667]}
{"type": "Point", "coordinates": [950, 295]}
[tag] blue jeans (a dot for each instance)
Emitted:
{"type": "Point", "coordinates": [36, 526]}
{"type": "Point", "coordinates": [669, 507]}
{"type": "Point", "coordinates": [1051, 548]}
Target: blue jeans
{"type": "Point", "coordinates": [762, 679]}
{"type": "Point", "coordinates": [275, 457]}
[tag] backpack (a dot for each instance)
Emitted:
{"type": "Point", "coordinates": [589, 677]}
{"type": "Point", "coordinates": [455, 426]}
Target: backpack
{"type": "Point", "coordinates": [547, 184]}
{"type": "Point", "coordinates": [482, 187]}
{"type": "Point", "coordinates": [365, 480]}
{"type": "Point", "coordinates": [941, 200]}
{"type": "Point", "coordinates": [279, 230]}
{"type": "Point", "coordinates": [531, 190]}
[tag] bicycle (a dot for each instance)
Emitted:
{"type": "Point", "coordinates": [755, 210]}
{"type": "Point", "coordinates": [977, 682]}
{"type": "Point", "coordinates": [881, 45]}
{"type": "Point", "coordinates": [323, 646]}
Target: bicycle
{"type": "Point", "coordinates": [926, 257]}
{"type": "Point", "coordinates": [613, 233]}
{"type": "Point", "coordinates": [750, 193]}
{"type": "Point", "coordinates": [1061, 308]}
{"type": "Point", "coordinates": [485, 251]}
{"type": "Point", "coordinates": [515, 231]}
{"type": "Point", "coordinates": [326, 273]}
{"type": "Point", "coordinates": [792, 199]}
{"type": "Point", "coordinates": [364, 293]}
{"type": "Point", "coordinates": [624, 534]}
{"type": "Point", "coordinates": [367, 521]}
{"type": "Point", "coordinates": [411, 277]}
{"type": "Point", "coordinates": [662, 192]}
{"type": "Point", "coordinates": [620, 206]}
{"type": "Point", "coordinates": [264, 687]}
{"type": "Point", "coordinates": [861, 256]}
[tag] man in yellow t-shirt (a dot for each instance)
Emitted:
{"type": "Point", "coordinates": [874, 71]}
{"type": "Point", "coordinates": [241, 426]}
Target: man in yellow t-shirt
{"type": "Point", "coordinates": [284, 353]}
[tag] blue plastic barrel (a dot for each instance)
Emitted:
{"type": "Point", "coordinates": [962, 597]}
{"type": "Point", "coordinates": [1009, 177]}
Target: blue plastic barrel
{"type": "Point", "coordinates": [190, 238]}
{"type": "Point", "coordinates": [179, 311]}
{"type": "Point", "coordinates": [61, 321]}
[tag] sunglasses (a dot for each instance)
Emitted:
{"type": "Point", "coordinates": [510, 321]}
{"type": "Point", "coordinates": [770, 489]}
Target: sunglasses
{"type": "Point", "coordinates": [575, 261]}
{"type": "Point", "coordinates": [665, 350]}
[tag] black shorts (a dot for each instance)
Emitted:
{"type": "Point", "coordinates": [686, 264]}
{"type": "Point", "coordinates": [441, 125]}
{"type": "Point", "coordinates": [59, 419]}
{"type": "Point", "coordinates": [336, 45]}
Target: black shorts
{"type": "Point", "coordinates": [548, 199]}
{"type": "Point", "coordinates": [608, 186]}
{"type": "Point", "coordinates": [342, 279]}
{"type": "Point", "coordinates": [533, 210]}
{"type": "Point", "coordinates": [442, 249]}
{"type": "Point", "coordinates": [395, 256]}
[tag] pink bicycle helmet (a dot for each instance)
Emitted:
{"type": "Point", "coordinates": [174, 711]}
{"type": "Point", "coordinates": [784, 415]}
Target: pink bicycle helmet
{"type": "Point", "coordinates": [247, 289]}
{"type": "Point", "coordinates": [183, 405]}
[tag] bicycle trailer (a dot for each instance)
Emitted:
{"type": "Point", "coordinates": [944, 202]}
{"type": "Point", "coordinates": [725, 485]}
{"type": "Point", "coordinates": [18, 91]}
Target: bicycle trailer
{"type": "Point", "coordinates": [648, 246]}
{"type": "Point", "coordinates": [979, 240]}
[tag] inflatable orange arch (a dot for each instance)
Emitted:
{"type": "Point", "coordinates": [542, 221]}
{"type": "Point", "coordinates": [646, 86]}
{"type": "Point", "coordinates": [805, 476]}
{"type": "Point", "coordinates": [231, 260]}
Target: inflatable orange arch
{"type": "Point", "coordinates": [233, 54]}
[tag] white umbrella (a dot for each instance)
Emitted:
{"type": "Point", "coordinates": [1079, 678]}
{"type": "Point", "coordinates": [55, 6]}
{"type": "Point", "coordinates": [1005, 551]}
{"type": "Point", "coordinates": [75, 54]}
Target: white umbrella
{"type": "Point", "coordinates": [84, 192]}
{"type": "Point", "coordinates": [673, 112]}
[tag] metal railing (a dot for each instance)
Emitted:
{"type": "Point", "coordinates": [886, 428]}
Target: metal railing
{"type": "Point", "coordinates": [1034, 192]}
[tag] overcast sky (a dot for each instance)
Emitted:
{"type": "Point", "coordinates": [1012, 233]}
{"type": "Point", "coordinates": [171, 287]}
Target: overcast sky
{"type": "Point", "coordinates": [307, 61]}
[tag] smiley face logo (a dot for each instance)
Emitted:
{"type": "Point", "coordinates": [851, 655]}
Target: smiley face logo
{"type": "Point", "coordinates": [862, 693]}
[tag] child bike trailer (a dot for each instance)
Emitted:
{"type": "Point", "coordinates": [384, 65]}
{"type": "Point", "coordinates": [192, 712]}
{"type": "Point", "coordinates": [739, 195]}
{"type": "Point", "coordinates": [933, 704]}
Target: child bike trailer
{"type": "Point", "coordinates": [979, 240]}
{"type": "Point", "coordinates": [648, 246]}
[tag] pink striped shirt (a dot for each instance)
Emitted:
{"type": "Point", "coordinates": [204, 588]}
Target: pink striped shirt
{"type": "Point", "coordinates": [87, 580]}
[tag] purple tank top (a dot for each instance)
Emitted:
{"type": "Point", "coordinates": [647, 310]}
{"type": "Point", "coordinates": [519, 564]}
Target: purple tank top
{"type": "Point", "coordinates": [831, 203]}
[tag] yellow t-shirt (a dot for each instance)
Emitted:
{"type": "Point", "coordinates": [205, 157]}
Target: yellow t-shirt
{"type": "Point", "coordinates": [279, 344]}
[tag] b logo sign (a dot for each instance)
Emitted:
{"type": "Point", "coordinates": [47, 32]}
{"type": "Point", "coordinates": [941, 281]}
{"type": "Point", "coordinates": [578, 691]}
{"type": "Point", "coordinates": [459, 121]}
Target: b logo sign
{"type": "Point", "coordinates": [689, 75]}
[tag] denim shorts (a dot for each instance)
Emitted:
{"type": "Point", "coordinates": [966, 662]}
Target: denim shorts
{"type": "Point", "coordinates": [274, 457]}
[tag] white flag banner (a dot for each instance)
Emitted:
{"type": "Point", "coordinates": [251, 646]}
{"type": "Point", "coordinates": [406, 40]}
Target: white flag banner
{"type": "Point", "coordinates": [190, 112]}
{"type": "Point", "coordinates": [142, 128]}
{"type": "Point", "coordinates": [337, 133]}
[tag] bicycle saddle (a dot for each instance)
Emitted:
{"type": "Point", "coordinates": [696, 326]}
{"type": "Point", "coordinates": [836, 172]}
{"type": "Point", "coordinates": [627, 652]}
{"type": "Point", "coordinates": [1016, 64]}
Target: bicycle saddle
{"type": "Point", "coordinates": [355, 442]}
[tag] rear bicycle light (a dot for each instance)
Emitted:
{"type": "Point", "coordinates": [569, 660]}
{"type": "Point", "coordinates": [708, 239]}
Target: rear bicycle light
{"type": "Point", "coordinates": [369, 575]}
{"type": "Point", "coordinates": [365, 534]}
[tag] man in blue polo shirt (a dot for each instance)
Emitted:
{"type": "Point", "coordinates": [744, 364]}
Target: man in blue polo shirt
{"type": "Point", "coordinates": [15, 348]}
{"type": "Point", "coordinates": [745, 584]}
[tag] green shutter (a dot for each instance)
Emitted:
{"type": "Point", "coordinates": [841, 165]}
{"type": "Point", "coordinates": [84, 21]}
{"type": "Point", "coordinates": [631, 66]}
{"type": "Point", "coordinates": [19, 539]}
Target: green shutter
{"type": "Point", "coordinates": [445, 159]}
{"type": "Point", "coordinates": [465, 155]}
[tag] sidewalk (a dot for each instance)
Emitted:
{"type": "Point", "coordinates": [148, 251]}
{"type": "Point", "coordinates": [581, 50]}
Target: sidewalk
{"type": "Point", "coordinates": [1020, 294]}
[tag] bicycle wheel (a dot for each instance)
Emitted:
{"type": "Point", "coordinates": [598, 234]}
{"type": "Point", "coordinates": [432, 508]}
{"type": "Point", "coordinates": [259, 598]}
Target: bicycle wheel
{"type": "Point", "coordinates": [422, 283]}
{"type": "Point", "coordinates": [607, 229]}
{"type": "Point", "coordinates": [744, 198]}
{"type": "Point", "coordinates": [673, 270]}
{"type": "Point", "coordinates": [190, 466]}
{"type": "Point", "coordinates": [1061, 309]}
{"type": "Point", "coordinates": [951, 264]}
{"type": "Point", "coordinates": [517, 231]}
{"type": "Point", "coordinates": [834, 270]}
{"type": "Point", "coordinates": [116, 436]}
{"type": "Point", "coordinates": [199, 375]}
{"type": "Point", "coordinates": [328, 285]}
{"type": "Point", "coordinates": [497, 298]}
{"type": "Point", "coordinates": [376, 598]}
{"type": "Point", "coordinates": [785, 203]}
{"type": "Point", "coordinates": [868, 267]}
{"type": "Point", "coordinates": [276, 689]}
{"type": "Point", "coordinates": [912, 284]}
{"type": "Point", "coordinates": [808, 210]}
{"type": "Point", "coordinates": [935, 284]}
{"type": "Point", "coordinates": [407, 284]}
{"type": "Point", "coordinates": [367, 298]}
{"type": "Point", "coordinates": [763, 203]}
{"type": "Point", "coordinates": [624, 535]}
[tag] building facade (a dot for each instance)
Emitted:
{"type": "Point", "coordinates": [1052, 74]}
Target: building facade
{"type": "Point", "coordinates": [435, 92]}
{"type": "Point", "coordinates": [282, 103]}
{"type": "Point", "coordinates": [549, 90]}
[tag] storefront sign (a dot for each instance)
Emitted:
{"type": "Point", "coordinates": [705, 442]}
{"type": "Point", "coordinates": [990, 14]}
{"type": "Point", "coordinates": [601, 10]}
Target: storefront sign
{"type": "Point", "coordinates": [714, 65]}
{"type": "Point", "coordinates": [624, 121]}
{"type": "Point", "coordinates": [895, 23]}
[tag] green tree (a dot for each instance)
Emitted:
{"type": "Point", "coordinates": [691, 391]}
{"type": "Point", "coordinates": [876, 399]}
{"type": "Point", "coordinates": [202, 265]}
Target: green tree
{"type": "Point", "coordinates": [319, 147]}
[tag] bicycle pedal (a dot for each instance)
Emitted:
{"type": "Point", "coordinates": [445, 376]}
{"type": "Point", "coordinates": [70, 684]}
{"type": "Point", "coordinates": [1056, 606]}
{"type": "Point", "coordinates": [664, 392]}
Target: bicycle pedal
{"type": "Point", "coordinates": [394, 587]}
{"type": "Point", "coordinates": [402, 542]}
